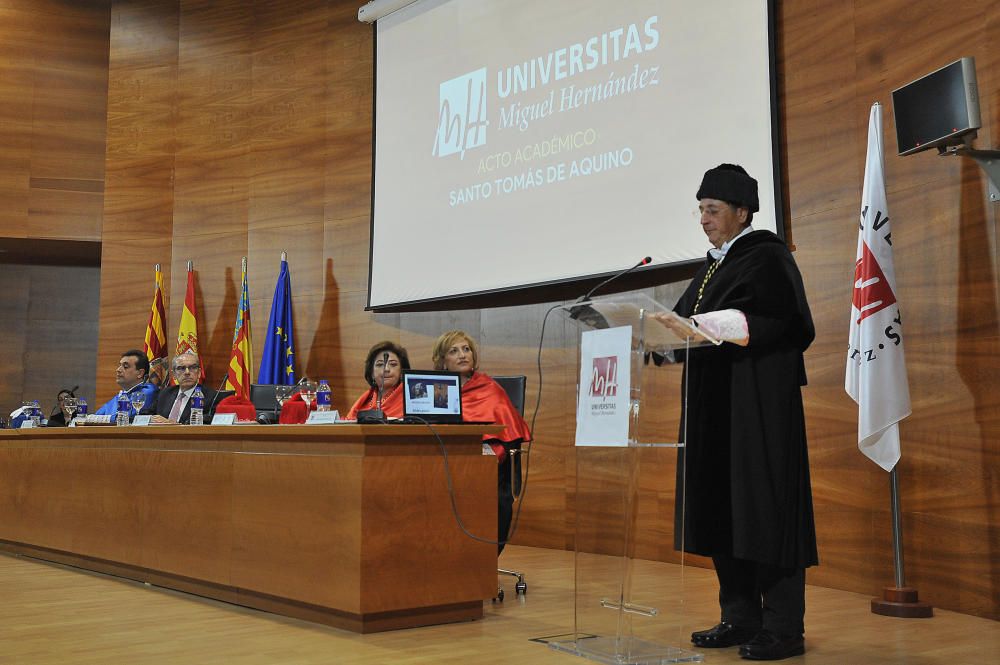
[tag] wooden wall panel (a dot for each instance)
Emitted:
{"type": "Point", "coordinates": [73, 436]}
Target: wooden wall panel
{"type": "Point", "coordinates": [15, 284]}
{"type": "Point", "coordinates": [16, 92]}
{"type": "Point", "coordinates": [54, 67]}
{"type": "Point", "coordinates": [140, 156]}
{"type": "Point", "coordinates": [53, 91]}
{"type": "Point", "coordinates": [245, 129]}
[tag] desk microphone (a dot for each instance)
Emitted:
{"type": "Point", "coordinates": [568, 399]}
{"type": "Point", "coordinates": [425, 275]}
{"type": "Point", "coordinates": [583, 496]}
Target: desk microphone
{"type": "Point", "coordinates": [376, 415]}
{"type": "Point", "coordinates": [381, 384]}
{"type": "Point", "coordinates": [588, 313]}
{"type": "Point", "coordinates": [211, 406]}
{"type": "Point", "coordinates": [589, 293]}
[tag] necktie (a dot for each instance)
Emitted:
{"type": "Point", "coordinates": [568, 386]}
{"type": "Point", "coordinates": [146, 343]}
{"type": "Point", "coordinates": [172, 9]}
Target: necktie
{"type": "Point", "coordinates": [177, 408]}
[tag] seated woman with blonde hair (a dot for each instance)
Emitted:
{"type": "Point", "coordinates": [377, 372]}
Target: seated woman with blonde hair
{"type": "Point", "coordinates": [384, 367]}
{"type": "Point", "coordinates": [483, 400]}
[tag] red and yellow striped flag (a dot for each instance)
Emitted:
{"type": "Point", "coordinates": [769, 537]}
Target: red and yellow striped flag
{"type": "Point", "coordinates": [241, 358]}
{"type": "Point", "coordinates": [187, 333]}
{"type": "Point", "coordinates": [155, 345]}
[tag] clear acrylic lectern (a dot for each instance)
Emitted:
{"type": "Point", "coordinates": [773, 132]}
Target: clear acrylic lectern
{"type": "Point", "coordinates": [614, 621]}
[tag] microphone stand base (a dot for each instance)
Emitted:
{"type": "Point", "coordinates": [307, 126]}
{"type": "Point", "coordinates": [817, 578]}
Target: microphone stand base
{"type": "Point", "coordinates": [371, 416]}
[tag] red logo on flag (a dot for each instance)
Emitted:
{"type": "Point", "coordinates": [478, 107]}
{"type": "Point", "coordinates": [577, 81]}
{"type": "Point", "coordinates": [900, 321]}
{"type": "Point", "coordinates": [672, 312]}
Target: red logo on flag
{"type": "Point", "coordinates": [604, 378]}
{"type": "Point", "coordinates": [872, 292]}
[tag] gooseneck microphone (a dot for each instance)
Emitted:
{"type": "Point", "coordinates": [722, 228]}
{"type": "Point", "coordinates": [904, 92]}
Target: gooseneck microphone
{"type": "Point", "coordinates": [644, 261]}
{"type": "Point", "coordinates": [381, 384]}
{"type": "Point", "coordinates": [584, 312]}
{"type": "Point", "coordinates": [222, 386]}
{"type": "Point", "coordinates": [375, 415]}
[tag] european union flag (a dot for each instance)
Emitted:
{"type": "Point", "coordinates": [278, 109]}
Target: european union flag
{"type": "Point", "coordinates": [277, 366]}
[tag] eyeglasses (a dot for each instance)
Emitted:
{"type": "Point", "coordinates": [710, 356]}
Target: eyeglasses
{"type": "Point", "coordinates": [392, 364]}
{"type": "Point", "coordinates": [181, 369]}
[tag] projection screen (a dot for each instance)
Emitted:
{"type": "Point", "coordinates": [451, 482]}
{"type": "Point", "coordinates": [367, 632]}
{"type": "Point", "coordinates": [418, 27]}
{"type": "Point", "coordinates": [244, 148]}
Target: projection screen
{"type": "Point", "coordinates": [529, 143]}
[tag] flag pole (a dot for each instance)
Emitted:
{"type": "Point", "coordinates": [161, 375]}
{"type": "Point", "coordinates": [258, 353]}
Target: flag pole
{"type": "Point", "coordinates": [284, 256]}
{"type": "Point", "coordinates": [897, 529]}
{"type": "Point", "coordinates": [899, 601]}
{"type": "Point", "coordinates": [190, 265]}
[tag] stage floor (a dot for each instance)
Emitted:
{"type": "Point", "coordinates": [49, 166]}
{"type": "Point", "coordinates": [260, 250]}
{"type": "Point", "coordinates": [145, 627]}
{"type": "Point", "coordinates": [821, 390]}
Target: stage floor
{"type": "Point", "coordinates": [54, 614]}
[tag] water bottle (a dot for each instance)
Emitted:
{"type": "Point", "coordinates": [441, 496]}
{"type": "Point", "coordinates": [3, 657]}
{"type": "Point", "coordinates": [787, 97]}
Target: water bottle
{"type": "Point", "coordinates": [81, 408]}
{"type": "Point", "coordinates": [124, 404]}
{"type": "Point", "coordinates": [323, 394]}
{"type": "Point", "coordinates": [197, 407]}
{"type": "Point", "coordinates": [36, 413]}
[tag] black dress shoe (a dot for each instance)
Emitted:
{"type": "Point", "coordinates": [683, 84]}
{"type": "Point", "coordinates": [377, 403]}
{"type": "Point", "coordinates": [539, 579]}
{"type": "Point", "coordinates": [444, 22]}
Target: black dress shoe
{"type": "Point", "coordinates": [766, 645]}
{"type": "Point", "coordinates": [721, 636]}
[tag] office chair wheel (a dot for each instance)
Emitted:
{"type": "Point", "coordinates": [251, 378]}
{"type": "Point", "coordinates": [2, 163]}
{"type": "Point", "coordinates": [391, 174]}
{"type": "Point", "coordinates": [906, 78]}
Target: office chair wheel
{"type": "Point", "coordinates": [521, 587]}
{"type": "Point", "coordinates": [499, 597]}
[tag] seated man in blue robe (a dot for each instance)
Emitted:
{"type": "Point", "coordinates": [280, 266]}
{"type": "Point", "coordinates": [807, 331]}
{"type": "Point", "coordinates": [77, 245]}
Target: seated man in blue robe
{"type": "Point", "coordinates": [131, 375]}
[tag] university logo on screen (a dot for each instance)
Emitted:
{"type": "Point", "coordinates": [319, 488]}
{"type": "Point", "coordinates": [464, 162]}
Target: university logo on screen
{"type": "Point", "coordinates": [462, 119]}
{"type": "Point", "coordinates": [604, 377]}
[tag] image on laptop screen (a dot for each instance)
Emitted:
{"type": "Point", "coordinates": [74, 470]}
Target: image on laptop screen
{"type": "Point", "coordinates": [432, 395]}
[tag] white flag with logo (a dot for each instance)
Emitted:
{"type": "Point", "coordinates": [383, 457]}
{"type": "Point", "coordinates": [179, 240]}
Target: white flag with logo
{"type": "Point", "coordinates": [876, 367]}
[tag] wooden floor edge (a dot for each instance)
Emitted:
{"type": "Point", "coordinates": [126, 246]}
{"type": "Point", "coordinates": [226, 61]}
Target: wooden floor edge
{"type": "Point", "coordinates": [359, 623]}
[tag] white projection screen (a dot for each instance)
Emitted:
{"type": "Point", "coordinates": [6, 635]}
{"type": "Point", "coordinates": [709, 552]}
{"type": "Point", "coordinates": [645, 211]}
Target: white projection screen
{"type": "Point", "coordinates": [533, 143]}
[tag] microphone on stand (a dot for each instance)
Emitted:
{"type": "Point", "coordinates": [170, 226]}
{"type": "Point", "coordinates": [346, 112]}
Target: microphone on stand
{"type": "Point", "coordinates": [381, 384]}
{"type": "Point", "coordinates": [375, 415]}
{"type": "Point", "coordinates": [587, 313]}
{"type": "Point", "coordinates": [211, 406]}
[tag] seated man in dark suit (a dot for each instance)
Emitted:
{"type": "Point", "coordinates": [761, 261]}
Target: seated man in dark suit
{"type": "Point", "coordinates": [174, 403]}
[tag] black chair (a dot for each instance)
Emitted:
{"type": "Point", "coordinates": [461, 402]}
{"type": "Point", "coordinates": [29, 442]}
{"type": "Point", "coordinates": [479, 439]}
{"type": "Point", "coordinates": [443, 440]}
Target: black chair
{"type": "Point", "coordinates": [264, 400]}
{"type": "Point", "coordinates": [515, 387]}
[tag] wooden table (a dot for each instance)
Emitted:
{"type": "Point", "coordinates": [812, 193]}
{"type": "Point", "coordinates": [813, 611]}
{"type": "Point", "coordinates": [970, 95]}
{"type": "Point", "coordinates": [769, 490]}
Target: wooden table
{"type": "Point", "coordinates": [346, 525]}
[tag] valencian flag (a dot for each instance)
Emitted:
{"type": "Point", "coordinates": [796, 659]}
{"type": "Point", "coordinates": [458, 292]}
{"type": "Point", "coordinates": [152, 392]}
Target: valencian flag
{"type": "Point", "coordinates": [187, 333]}
{"type": "Point", "coordinates": [277, 366]}
{"type": "Point", "coordinates": [241, 358]}
{"type": "Point", "coordinates": [876, 368]}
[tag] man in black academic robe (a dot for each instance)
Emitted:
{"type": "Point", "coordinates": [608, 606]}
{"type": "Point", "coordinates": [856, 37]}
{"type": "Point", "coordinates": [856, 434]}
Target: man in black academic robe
{"type": "Point", "coordinates": [744, 472]}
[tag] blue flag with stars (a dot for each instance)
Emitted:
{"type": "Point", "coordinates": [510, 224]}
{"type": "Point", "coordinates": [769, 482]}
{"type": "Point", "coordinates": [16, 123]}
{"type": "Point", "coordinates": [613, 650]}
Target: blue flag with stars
{"type": "Point", "coordinates": [277, 366]}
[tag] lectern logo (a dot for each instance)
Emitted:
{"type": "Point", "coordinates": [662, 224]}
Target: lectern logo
{"type": "Point", "coordinates": [461, 114]}
{"type": "Point", "coordinates": [604, 377]}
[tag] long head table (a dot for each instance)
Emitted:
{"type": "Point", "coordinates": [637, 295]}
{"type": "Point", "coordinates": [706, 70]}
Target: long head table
{"type": "Point", "coordinates": [348, 525]}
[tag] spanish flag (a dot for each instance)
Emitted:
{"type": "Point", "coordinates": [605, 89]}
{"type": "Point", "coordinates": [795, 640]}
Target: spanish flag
{"type": "Point", "coordinates": [155, 345]}
{"type": "Point", "coordinates": [187, 334]}
{"type": "Point", "coordinates": [241, 358]}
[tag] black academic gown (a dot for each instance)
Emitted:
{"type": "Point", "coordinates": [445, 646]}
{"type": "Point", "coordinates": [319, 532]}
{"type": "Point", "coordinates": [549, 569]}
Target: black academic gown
{"type": "Point", "coordinates": [747, 467]}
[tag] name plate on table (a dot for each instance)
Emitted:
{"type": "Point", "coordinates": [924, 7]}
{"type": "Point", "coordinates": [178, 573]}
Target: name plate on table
{"type": "Point", "coordinates": [224, 419]}
{"type": "Point", "coordinates": [27, 424]}
{"type": "Point", "coordinates": [141, 421]}
{"type": "Point", "coordinates": [93, 419]}
{"type": "Point", "coordinates": [322, 417]}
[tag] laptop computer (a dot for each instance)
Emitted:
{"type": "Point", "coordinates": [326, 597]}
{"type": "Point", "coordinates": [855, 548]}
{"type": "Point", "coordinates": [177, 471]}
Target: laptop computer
{"type": "Point", "coordinates": [432, 396]}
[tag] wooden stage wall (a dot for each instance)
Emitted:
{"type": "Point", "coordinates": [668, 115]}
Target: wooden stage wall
{"type": "Point", "coordinates": [244, 128]}
{"type": "Point", "coordinates": [53, 94]}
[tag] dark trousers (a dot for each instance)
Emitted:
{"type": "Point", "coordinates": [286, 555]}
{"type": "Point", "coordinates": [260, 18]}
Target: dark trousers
{"type": "Point", "coordinates": [757, 595]}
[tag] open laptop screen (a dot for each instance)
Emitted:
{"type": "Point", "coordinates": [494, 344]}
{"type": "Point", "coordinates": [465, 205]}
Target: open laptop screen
{"type": "Point", "coordinates": [432, 395]}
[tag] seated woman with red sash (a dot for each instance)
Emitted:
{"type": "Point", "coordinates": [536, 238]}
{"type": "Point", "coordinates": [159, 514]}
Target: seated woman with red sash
{"type": "Point", "coordinates": [383, 368]}
{"type": "Point", "coordinates": [483, 400]}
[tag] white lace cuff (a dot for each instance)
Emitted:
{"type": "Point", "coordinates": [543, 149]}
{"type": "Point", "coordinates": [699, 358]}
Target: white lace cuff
{"type": "Point", "coordinates": [729, 325]}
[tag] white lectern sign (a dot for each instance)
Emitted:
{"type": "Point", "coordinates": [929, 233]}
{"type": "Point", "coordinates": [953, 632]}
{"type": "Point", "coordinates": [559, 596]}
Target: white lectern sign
{"type": "Point", "coordinates": [602, 413]}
